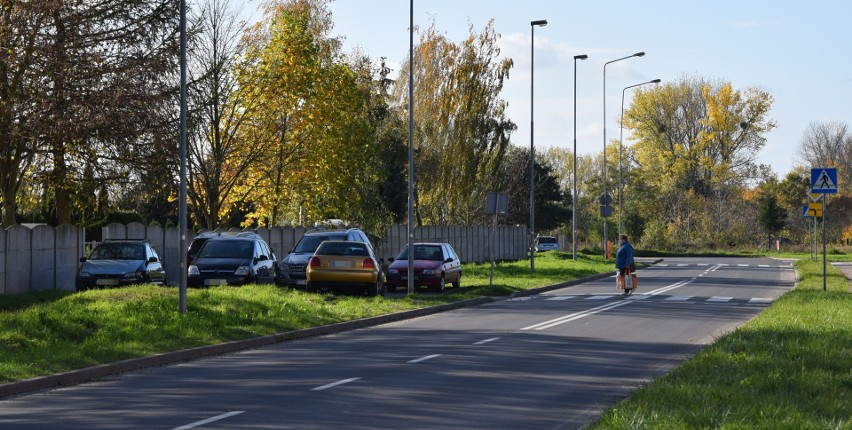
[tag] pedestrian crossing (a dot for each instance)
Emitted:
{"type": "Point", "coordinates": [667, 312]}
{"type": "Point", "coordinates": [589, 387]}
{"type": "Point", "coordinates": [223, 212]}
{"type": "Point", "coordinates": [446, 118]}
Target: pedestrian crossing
{"type": "Point", "coordinates": [662, 298]}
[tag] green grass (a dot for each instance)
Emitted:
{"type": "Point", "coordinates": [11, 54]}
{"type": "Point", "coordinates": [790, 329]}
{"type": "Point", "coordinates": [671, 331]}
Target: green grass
{"type": "Point", "coordinates": [52, 331]}
{"type": "Point", "coordinates": [789, 368]}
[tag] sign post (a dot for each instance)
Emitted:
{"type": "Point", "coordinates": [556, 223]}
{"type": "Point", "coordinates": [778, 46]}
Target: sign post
{"type": "Point", "coordinates": [497, 204]}
{"type": "Point", "coordinates": [823, 181]}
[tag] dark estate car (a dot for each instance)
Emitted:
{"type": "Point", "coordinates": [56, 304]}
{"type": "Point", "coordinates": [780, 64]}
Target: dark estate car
{"type": "Point", "coordinates": [198, 241]}
{"type": "Point", "coordinates": [121, 262]}
{"type": "Point", "coordinates": [435, 264]}
{"type": "Point", "coordinates": [232, 260]}
{"type": "Point", "coordinates": [292, 271]}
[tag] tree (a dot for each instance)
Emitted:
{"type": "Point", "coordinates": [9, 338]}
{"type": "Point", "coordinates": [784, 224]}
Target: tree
{"type": "Point", "coordinates": [312, 115]}
{"type": "Point", "coordinates": [828, 144]}
{"type": "Point", "coordinates": [552, 205]}
{"type": "Point", "coordinates": [20, 49]}
{"type": "Point", "coordinates": [771, 215]}
{"type": "Point", "coordinates": [218, 158]}
{"type": "Point", "coordinates": [462, 131]}
{"type": "Point", "coordinates": [697, 143]}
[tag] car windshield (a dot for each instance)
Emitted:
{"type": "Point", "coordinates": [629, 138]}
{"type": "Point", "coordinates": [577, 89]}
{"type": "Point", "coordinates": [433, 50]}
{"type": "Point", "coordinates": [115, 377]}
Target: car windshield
{"type": "Point", "coordinates": [547, 240]}
{"type": "Point", "coordinates": [309, 244]}
{"type": "Point", "coordinates": [343, 248]}
{"type": "Point", "coordinates": [227, 249]}
{"type": "Point", "coordinates": [118, 251]}
{"type": "Point", "coordinates": [423, 252]}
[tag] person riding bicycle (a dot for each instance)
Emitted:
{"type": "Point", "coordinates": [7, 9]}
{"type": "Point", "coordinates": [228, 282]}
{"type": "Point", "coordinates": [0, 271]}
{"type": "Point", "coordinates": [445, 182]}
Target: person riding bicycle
{"type": "Point", "coordinates": [624, 260]}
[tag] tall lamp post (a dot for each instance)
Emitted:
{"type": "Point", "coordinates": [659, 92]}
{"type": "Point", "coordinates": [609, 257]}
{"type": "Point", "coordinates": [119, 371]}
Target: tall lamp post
{"type": "Point", "coordinates": [620, 146]}
{"type": "Point", "coordinates": [533, 25]}
{"type": "Point", "coordinates": [574, 195]}
{"type": "Point", "coordinates": [410, 232]}
{"type": "Point", "coordinates": [605, 236]}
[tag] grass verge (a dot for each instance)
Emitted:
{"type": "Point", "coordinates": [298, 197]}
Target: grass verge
{"type": "Point", "coordinates": [54, 331]}
{"type": "Point", "coordinates": [789, 368]}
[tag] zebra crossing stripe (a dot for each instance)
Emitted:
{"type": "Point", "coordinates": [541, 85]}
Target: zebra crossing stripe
{"type": "Point", "coordinates": [760, 300]}
{"type": "Point", "coordinates": [677, 298]}
{"type": "Point", "coordinates": [720, 299]}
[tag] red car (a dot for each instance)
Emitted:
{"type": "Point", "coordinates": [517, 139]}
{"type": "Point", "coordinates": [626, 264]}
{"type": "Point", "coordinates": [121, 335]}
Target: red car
{"type": "Point", "coordinates": [435, 264]}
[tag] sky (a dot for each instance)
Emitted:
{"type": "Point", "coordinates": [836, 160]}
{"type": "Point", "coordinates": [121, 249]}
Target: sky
{"type": "Point", "coordinates": [798, 52]}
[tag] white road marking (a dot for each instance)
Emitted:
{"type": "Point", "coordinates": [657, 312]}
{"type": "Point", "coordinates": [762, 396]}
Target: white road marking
{"type": "Point", "coordinates": [760, 300]}
{"type": "Point", "coordinates": [762, 265]}
{"type": "Point", "coordinates": [638, 297]}
{"type": "Point", "coordinates": [677, 298]}
{"type": "Point", "coordinates": [334, 384]}
{"type": "Point", "coordinates": [682, 265]}
{"type": "Point", "coordinates": [704, 264]}
{"type": "Point", "coordinates": [668, 288]}
{"type": "Point", "coordinates": [483, 342]}
{"type": "Point", "coordinates": [562, 298]}
{"type": "Point", "coordinates": [208, 420]}
{"type": "Point", "coordinates": [571, 317]}
{"type": "Point", "coordinates": [662, 265]}
{"type": "Point", "coordinates": [599, 297]}
{"type": "Point", "coordinates": [742, 265]}
{"type": "Point", "coordinates": [428, 357]}
{"type": "Point", "coordinates": [720, 299]}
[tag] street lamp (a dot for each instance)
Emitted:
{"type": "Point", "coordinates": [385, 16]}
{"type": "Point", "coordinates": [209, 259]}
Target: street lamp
{"type": "Point", "coordinates": [533, 25]}
{"type": "Point", "coordinates": [574, 195]}
{"type": "Point", "coordinates": [410, 228]}
{"type": "Point", "coordinates": [604, 202]}
{"type": "Point", "coordinates": [621, 145]}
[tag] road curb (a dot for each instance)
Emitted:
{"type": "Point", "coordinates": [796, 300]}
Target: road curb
{"type": "Point", "coordinates": [88, 374]}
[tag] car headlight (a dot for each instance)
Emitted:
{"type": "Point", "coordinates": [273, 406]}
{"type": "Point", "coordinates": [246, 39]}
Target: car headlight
{"type": "Point", "coordinates": [429, 272]}
{"type": "Point", "coordinates": [133, 275]}
{"type": "Point", "coordinates": [242, 271]}
{"type": "Point", "coordinates": [85, 275]}
{"type": "Point", "coordinates": [193, 270]}
{"type": "Point", "coordinates": [393, 271]}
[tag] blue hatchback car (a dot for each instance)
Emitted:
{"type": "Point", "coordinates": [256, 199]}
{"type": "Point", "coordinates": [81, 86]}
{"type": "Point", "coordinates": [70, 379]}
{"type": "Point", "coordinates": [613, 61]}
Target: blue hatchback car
{"type": "Point", "coordinates": [121, 262]}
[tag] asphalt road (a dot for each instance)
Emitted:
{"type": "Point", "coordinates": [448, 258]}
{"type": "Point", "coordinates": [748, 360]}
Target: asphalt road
{"type": "Point", "coordinates": [554, 360]}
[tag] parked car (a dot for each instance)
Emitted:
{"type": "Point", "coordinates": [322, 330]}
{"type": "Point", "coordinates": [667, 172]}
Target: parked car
{"type": "Point", "coordinates": [121, 262]}
{"type": "Point", "coordinates": [546, 243]}
{"type": "Point", "coordinates": [435, 264]}
{"type": "Point", "coordinates": [232, 260]}
{"type": "Point", "coordinates": [338, 264]}
{"type": "Point", "coordinates": [198, 241]}
{"type": "Point", "coordinates": [292, 271]}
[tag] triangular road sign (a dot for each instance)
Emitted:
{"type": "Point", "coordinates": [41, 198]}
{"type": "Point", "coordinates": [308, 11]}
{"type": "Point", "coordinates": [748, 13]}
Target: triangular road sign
{"type": "Point", "coordinates": [815, 197]}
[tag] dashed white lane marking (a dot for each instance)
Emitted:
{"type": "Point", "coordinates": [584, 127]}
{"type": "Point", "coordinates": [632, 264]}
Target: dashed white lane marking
{"type": "Point", "coordinates": [483, 342]}
{"type": "Point", "coordinates": [720, 299]}
{"type": "Point", "coordinates": [682, 265]}
{"type": "Point", "coordinates": [208, 420]}
{"type": "Point", "coordinates": [703, 264]}
{"type": "Point", "coordinates": [742, 265]}
{"type": "Point", "coordinates": [760, 300]}
{"type": "Point", "coordinates": [677, 298]}
{"type": "Point", "coordinates": [417, 360]}
{"type": "Point", "coordinates": [334, 384]}
{"type": "Point", "coordinates": [598, 297]}
{"type": "Point", "coordinates": [762, 265]}
{"type": "Point", "coordinates": [562, 298]}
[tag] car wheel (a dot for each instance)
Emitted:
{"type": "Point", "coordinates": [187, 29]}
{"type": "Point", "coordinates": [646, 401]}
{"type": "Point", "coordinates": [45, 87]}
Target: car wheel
{"type": "Point", "coordinates": [457, 282]}
{"type": "Point", "coordinates": [391, 288]}
{"type": "Point", "coordinates": [441, 284]}
{"type": "Point", "coordinates": [310, 288]}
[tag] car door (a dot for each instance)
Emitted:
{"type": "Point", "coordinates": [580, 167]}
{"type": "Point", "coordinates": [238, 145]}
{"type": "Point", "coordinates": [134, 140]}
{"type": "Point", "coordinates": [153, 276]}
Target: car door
{"type": "Point", "coordinates": [156, 270]}
{"type": "Point", "coordinates": [264, 266]}
{"type": "Point", "coordinates": [453, 268]}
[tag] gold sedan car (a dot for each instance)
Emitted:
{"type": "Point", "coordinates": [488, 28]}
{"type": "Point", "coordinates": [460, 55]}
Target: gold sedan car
{"type": "Point", "coordinates": [345, 265]}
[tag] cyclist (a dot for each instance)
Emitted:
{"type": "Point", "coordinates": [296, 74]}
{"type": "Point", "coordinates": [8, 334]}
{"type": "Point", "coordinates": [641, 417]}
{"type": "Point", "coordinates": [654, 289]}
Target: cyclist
{"type": "Point", "coordinates": [624, 260]}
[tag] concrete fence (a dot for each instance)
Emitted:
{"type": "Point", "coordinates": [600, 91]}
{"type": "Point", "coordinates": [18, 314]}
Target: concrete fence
{"type": "Point", "coordinates": [47, 258]}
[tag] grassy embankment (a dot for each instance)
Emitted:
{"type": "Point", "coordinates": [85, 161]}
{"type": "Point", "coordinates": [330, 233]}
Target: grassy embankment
{"type": "Point", "coordinates": [790, 368]}
{"type": "Point", "coordinates": [54, 331]}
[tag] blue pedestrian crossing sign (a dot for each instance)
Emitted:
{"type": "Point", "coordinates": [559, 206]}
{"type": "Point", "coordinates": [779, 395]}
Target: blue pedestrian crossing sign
{"type": "Point", "coordinates": [824, 180]}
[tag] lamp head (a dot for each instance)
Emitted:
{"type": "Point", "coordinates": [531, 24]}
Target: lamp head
{"type": "Point", "coordinates": [540, 22]}
{"type": "Point", "coordinates": [581, 57]}
{"type": "Point", "coordinates": [655, 81]}
{"type": "Point", "coordinates": [639, 54]}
